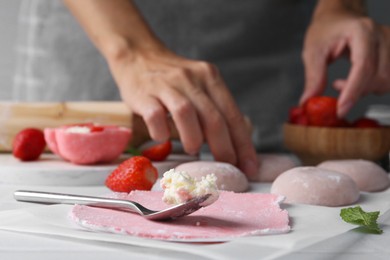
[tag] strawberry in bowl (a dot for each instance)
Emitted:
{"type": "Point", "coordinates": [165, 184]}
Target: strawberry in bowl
{"type": "Point", "coordinates": [315, 134]}
{"type": "Point", "coordinates": [88, 143]}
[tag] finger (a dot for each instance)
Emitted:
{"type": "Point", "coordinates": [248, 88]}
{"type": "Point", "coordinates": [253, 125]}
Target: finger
{"type": "Point", "coordinates": [213, 125]}
{"type": "Point", "coordinates": [238, 128]}
{"type": "Point", "coordinates": [185, 118]}
{"type": "Point", "coordinates": [363, 65]}
{"type": "Point", "coordinates": [315, 65]}
{"type": "Point", "coordinates": [240, 134]}
{"type": "Point", "coordinates": [215, 128]}
{"type": "Point", "coordinates": [339, 84]}
{"type": "Point", "coordinates": [382, 83]}
{"type": "Point", "coordinates": [155, 116]}
{"type": "Point", "coordinates": [351, 91]}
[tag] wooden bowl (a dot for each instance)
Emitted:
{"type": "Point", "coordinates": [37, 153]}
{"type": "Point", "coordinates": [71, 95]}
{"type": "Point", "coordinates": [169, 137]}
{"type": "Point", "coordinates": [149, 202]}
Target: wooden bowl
{"type": "Point", "coordinates": [316, 144]}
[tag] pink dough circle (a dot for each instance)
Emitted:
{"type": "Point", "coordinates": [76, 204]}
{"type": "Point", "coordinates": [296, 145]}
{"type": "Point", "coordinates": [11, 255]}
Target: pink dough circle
{"type": "Point", "coordinates": [232, 215]}
{"type": "Point", "coordinates": [272, 165]}
{"type": "Point", "coordinates": [367, 175]}
{"type": "Point", "coordinates": [88, 148]}
{"type": "Point", "coordinates": [229, 177]}
{"type": "Point", "coordinates": [316, 186]}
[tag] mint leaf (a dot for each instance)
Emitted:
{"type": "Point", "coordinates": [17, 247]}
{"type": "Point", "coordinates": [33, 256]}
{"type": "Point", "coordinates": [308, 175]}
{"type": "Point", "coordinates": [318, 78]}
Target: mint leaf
{"type": "Point", "coordinates": [357, 216]}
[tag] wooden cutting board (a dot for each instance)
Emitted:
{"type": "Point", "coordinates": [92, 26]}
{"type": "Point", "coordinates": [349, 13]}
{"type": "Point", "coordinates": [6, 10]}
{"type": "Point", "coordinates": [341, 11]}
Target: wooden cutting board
{"type": "Point", "coordinates": [16, 116]}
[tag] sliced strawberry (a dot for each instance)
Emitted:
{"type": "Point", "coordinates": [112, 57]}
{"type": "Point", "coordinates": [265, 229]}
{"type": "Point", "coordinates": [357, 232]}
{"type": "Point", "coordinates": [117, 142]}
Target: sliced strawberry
{"type": "Point", "coordinates": [136, 173]}
{"type": "Point", "coordinates": [96, 128]}
{"type": "Point", "coordinates": [365, 122]}
{"type": "Point", "coordinates": [158, 152]}
{"type": "Point", "coordinates": [92, 127]}
{"type": "Point", "coordinates": [322, 111]}
{"type": "Point", "coordinates": [28, 144]}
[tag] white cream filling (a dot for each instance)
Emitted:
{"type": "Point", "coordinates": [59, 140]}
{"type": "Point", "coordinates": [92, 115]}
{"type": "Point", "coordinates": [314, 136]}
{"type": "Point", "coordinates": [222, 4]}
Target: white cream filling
{"type": "Point", "coordinates": [78, 129]}
{"type": "Point", "coordinates": [179, 187]}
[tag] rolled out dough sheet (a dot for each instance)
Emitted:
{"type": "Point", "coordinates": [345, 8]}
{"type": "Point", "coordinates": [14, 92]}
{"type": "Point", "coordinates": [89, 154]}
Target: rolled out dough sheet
{"type": "Point", "coordinates": [232, 215]}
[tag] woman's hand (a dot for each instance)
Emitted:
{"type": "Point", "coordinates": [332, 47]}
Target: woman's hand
{"type": "Point", "coordinates": [156, 84]}
{"type": "Point", "coordinates": [345, 30]}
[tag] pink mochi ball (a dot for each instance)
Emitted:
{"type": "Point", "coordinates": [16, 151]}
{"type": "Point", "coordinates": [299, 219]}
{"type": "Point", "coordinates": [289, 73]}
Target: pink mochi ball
{"type": "Point", "coordinates": [367, 175]}
{"type": "Point", "coordinates": [316, 186]}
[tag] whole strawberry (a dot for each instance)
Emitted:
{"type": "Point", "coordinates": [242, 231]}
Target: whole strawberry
{"type": "Point", "coordinates": [322, 111]}
{"type": "Point", "coordinates": [28, 144]}
{"type": "Point", "coordinates": [158, 152]}
{"type": "Point", "coordinates": [136, 173]}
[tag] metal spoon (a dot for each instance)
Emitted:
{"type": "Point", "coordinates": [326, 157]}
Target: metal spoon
{"type": "Point", "coordinates": [174, 212]}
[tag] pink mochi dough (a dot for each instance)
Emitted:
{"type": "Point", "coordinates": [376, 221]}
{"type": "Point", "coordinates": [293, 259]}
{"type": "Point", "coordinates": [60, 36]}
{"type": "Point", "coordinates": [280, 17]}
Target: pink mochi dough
{"type": "Point", "coordinates": [88, 148]}
{"type": "Point", "coordinates": [367, 175]}
{"type": "Point", "coordinates": [316, 186]}
{"type": "Point", "coordinates": [232, 216]}
{"type": "Point", "coordinates": [229, 177]}
{"type": "Point", "coordinates": [272, 165]}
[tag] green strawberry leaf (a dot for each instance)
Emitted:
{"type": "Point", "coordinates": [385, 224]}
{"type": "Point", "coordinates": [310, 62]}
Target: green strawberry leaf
{"type": "Point", "coordinates": [133, 151]}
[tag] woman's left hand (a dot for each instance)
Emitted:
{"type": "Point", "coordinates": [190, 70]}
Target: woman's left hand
{"type": "Point", "coordinates": [332, 35]}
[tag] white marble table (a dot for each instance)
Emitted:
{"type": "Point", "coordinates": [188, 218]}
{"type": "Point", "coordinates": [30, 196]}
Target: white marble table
{"type": "Point", "coordinates": [33, 231]}
{"type": "Point", "coordinates": [30, 231]}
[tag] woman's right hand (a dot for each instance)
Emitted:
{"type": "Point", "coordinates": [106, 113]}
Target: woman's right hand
{"type": "Point", "coordinates": [158, 84]}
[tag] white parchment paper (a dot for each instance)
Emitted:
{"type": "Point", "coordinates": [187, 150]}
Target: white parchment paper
{"type": "Point", "coordinates": [313, 227]}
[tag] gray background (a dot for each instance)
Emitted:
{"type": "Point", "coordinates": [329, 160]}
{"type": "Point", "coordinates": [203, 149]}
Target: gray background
{"type": "Point", "coordinates": [8, 32]}
{"type": "Point", "coordinates": [379, 10]}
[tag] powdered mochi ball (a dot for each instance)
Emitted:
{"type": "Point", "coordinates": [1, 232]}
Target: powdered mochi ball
{"type": "Point", "coordinates": [229, 177]}
{"type": "Point", "coordinates": [272, 165]}
{"type": "Point", "coordinates": [316, 186]}
{"type": "Point", "coordinates": [367, 175]}
{"type": "Point", "coordinates": [171, 162]}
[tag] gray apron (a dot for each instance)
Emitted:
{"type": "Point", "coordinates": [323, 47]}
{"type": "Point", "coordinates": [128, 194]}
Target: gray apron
{"type": "Point", "coordinates": [255, 44]}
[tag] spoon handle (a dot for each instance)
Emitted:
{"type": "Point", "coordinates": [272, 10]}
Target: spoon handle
{"type": "Point", "coordinates": [60, 198]}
